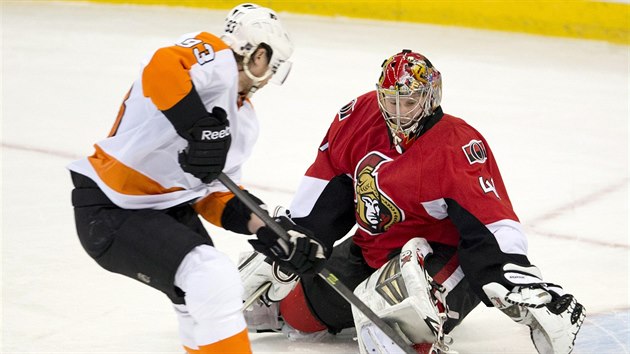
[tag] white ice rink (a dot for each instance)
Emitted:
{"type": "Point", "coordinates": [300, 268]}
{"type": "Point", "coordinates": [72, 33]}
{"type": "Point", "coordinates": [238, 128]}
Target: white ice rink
{"type": "Point", "coordinates": [555, 112]}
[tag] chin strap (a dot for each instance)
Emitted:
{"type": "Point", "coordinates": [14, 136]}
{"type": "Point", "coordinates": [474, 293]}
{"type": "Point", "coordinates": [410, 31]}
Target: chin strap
{"type": "Point", "coordinates": [256, 79]}
{"type": "Point", "coordinates": [251, 92]}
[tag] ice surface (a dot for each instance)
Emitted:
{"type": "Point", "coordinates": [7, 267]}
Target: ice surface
{"type": "Point", "coordinates": [555, 112]}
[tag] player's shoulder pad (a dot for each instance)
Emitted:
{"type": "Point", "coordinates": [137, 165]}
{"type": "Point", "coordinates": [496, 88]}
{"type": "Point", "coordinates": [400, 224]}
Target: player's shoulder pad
{"type": "Point", "coordinates": [466, 141]}
{"type": "Point", "coordinates": [356, 104]}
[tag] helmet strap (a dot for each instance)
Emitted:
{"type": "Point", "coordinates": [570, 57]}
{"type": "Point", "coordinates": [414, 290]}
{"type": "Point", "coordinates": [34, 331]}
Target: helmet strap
{"type": "Point", "coordinates": [256, 79]}
{"type": "Point", "coordinates": [251, 92]}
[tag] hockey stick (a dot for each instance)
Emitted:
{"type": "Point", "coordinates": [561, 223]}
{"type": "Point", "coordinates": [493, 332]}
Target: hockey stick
{"type": "Point", "coordinates": [325, 274]}
{"type": "Point", "coordinates": [253, 297]}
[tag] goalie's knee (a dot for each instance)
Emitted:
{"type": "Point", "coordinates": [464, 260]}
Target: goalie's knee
{"type": "Point", "coordinates": [400, 292]}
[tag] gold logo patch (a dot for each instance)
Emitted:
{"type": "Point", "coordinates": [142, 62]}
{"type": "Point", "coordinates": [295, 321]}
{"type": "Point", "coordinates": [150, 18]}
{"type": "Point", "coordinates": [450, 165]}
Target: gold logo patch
{"type": "Point", "coordinates": [376, 211]}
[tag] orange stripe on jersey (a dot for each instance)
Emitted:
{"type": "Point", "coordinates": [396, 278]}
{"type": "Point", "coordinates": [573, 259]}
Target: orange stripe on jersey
{"type": "Point", "coordinates": [237, 344]}
{"type": "Point", "coordinates": [211, 207]}
{"type": "Point", "coordinates": [123, 179]}
{"type": "Point", "coordinates": [121, 113]}
{"type": "Point", "coordinates": [241, 100]}
{"type": "Point", "coordinates": [166, 79]}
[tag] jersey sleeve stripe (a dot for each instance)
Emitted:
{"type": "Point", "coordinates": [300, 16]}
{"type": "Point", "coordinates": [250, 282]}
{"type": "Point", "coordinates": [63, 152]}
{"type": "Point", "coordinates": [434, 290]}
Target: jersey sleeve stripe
{"type": "Point", "coordinates": [124, 179]}
{"type": "Point", "coordinates": [121, 113]}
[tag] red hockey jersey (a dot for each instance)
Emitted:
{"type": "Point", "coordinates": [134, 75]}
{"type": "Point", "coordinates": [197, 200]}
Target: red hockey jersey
{"type": "Point", "coordinates": [396, 197]}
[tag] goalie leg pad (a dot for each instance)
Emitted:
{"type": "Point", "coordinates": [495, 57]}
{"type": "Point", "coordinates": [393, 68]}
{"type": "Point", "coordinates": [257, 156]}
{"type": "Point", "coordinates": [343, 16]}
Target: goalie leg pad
{"type": "Point", "coordinates": [255, 271]}
{"type": "Point", "coordinates": [400, 293]}
{"type": "Point", "coordinates": [373, 340]}
{"type": "Point", "coordinates": [262, 315]}
{"type": "Point", "coordinates": [261, 318]}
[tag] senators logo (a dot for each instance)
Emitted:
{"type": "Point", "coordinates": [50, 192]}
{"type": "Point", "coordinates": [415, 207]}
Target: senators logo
{"type": "Point", "coordinates": [376, 211]}
{"type": "Point", "coordinates": [475, 152]}
{"type": "Point", "coordinates": [346, 110]}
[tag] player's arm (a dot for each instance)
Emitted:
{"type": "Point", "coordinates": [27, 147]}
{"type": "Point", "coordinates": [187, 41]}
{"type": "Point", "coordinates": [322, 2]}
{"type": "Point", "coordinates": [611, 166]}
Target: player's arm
{"type": "Point", "coordinates": [485, 249]}
{"type": "Point", "coordinates": [167, 81]}
{"type": "Point", "coordinates": [493, 255]}
{"type": "Point", "coordinates": [324, 201]}
{"type": "Point", "coordinates": [479, 207]}
{"type": "Point", "coordinates": [224, 210]}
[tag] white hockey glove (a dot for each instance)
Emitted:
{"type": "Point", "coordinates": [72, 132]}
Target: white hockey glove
{"type": "Point", "coordinates": [400, 292]}
{"type": "Point", "coordinates": [554, 318]}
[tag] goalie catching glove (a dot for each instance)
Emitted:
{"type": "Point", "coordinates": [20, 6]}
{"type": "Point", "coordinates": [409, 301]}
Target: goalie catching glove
{"type": "Point", "coordinates": [554, 318]}
{"type": "Point", "coordinates": [301, 254]}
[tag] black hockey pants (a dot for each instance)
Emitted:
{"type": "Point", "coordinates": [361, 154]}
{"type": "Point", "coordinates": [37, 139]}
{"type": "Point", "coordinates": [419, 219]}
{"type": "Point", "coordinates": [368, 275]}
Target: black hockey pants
{"type": "Point", "coordinates": [146, 245]}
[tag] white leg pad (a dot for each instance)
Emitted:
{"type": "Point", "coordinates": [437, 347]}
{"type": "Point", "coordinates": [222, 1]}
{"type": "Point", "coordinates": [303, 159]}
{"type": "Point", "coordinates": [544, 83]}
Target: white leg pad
{"type": "Point", "coordinates": [262, 314]}
{"type": "Point", "coordinates": [399, 292]}
{"type": "Point", "coordinates": [254, 272]}
{"type": "Point", "coordinates": [213, 297]}
{"type": "Point", "coordinates": [374, 341]}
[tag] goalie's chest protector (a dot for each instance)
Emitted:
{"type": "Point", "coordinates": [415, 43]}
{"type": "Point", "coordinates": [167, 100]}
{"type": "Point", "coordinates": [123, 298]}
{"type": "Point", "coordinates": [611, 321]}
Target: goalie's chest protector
{"type": "Point", "coordinates": [401, 196]}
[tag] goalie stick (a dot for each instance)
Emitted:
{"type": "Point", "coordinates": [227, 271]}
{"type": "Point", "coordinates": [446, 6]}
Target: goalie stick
{"type": "Point", "coordinates": [325, 274]}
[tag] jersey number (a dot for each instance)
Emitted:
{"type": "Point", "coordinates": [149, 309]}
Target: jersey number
{"type": "Point", "coordinates": [487, 185]}
{"type": "Point", "coordinates": [203, 55]}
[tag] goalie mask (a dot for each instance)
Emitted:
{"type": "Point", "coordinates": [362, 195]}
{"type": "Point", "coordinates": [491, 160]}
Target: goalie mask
{"type": "Point", "coordinates": [409, 89]}
{"type": "Point", "coordinates": [247, 26]}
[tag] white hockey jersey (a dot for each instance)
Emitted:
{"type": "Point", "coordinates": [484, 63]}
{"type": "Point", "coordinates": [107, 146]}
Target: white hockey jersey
{"type": "Point", "coordinates": [137, 166]}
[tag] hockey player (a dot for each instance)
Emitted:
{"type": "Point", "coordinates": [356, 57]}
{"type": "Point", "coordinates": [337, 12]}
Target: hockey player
{"type": "Point", "coordinates": [186, 119]}
{"type": "Point", "coordinates": [436, 232]}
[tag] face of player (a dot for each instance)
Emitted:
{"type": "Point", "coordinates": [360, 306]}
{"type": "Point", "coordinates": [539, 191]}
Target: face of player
{"type": "Point", "coordinates": [258, 67]}
{"type": "Point", "coordinates": [402, 110]}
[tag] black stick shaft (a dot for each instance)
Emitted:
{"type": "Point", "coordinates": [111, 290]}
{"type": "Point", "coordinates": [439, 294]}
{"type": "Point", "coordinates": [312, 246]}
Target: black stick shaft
{"type": "Point", "coordinates": [349, 296]}
{"type": "Point", "coordinates": [253, 206]}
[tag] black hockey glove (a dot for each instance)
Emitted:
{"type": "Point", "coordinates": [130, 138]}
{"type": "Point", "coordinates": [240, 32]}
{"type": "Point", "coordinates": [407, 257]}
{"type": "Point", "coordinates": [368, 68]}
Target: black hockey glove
{"type": "Point", "coordinates": [302, 254]}
{"type": "Point", "coordinates": [208, 144]}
